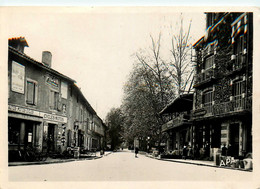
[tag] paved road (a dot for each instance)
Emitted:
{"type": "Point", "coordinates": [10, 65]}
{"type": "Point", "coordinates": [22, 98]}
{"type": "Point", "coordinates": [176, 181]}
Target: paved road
{"type": "Point", "coordinates": [123, 166]}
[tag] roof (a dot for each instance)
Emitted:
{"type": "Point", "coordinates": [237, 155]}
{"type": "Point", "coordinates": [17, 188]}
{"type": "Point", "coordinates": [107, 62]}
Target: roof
{"type": "Point", "coordinates": [21, 40]}
{"type": "Point", "coordinates": [181, 103]}
{"type": "Point", "coordinates": [87, 103]}
{"type": "Point", "coordinates": [209, 30]}
{"type": "Point", "coordinates": [40, 64]}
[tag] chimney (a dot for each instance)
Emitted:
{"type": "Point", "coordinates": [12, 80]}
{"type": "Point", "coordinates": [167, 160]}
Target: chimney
{"type": "Point", "coordinates": [46, 58]}
{"type": "Point", "coordinates": [18, 42]}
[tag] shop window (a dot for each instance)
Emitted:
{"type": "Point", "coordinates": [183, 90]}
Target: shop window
{"type": "Point", "coordinates": [208, 101]}
{"type": "Point", "coordinates": [13, 134]}
{"type": "Point", "coordinates": [31, 96]}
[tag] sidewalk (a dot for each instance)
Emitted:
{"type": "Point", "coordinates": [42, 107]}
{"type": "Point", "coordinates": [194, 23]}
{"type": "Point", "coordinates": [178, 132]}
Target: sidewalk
{"type": "Point", "coordinates": [58, 160]}
{"type": "Point", "coordinates": [195, 162]}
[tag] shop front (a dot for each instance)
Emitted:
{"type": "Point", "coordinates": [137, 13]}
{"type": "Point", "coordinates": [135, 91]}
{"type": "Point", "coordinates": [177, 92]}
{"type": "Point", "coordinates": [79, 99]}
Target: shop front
{"type": "Point", "coordinates": [32, 130]}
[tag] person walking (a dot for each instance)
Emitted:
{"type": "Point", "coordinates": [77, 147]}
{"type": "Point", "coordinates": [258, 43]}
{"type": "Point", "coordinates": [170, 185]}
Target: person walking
{"type": "Point", "coordinates": [136, 151]}
{"type": "Point", "coordinates": [184, 152]}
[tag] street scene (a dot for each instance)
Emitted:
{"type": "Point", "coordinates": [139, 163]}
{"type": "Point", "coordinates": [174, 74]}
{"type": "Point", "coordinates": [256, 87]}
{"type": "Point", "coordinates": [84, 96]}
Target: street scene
{"type": "Point", "coordinates": [123, 166]}
{"type": "Point", "coordinates": [124, 94]}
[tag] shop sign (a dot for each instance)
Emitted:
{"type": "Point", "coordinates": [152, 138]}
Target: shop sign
{"type": "Point", "coordinates": [18, 74]}
{"type": "Point", "coordinates": [200, 112]}
{"type": "Point", "coordinates": [45, 116]}
{"type": "Point", "coordinates": [55, 118]}
{"type": "Point", "coordinates": [23, 110]}
{"type": "Point", "coordinates": [52, 81]}
{"type": "Point", "coordinates": [226, 161]}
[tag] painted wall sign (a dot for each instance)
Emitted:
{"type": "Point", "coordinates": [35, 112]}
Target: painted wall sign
{"type": "Point", "coordinates": [53, 117]}
{"type": "Point", "coordinates": [52, 81]}
{"type": "Point", "coordinates": [18, 75]}
{"type": "Point", "coordinates": [23, 110]}
{"type": "Point", "coordinates": [45, 116]}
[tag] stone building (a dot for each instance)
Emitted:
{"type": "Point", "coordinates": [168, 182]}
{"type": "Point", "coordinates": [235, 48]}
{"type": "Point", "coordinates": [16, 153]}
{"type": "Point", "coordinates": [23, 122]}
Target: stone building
{"type": "Point", "coordinates": [46, 110]}
{"type": "Point", "coordinates": [222, 109]}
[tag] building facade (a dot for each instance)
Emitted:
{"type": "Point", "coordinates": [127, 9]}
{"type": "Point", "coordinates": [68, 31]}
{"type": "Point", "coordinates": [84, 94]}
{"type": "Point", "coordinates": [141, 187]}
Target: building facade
{"type": "Point", "coordinates": [46, 110]}
{"type": "Point", "coordinates": [178, 126]}
{"type": "Point", "coordinates": [222, 108]}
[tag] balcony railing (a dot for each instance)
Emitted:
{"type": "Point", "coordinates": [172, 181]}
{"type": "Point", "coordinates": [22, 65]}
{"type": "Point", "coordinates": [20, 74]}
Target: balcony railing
{"type": "Point", "coordinates": [236, 105]}
{"type": "Point", "coordinates": [182, 118]}
{"type": "Point", "coordinates": [207, 75]}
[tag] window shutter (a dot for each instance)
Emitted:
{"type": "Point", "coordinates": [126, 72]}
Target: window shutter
{"type": "Point", "coordinates": [30, 92]}
{"type": "Point", "coordinates": [51, 100]}
{"type": "Point", "coordinates": [59, 102]}
{"type": "Point", "coordinates": [35, 93]}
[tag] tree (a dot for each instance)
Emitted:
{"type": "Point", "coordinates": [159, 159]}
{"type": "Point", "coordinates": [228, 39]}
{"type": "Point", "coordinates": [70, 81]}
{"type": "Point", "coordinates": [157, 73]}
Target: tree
{"type": "Point", "coordinates": [147, 91]}
{"type": "Point", "coordinates": [179, 66]}
{"type": "Point", "coordinates": [114, 120]}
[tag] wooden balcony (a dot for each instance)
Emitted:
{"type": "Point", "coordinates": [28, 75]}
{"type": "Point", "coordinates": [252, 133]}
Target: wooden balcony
{"type": "Point", "coordinates": [176, 122]}
{"type": "Point", "coordinates": [224, 108]}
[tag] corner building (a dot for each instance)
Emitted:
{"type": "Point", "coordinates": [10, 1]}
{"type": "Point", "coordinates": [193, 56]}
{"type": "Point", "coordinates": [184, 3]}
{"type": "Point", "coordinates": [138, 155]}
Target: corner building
{"type": "Point", "coordinates": [222, 104]}
{"type": "Point", "coordinates": [46, 110]}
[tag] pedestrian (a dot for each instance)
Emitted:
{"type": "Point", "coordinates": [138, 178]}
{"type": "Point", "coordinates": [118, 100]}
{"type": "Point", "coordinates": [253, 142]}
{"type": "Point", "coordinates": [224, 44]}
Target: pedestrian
{"type": "Point", "coordinates": [184, 152]}
{"type": "Point", "coordinates": [136, 151]}
{"type": "Point", "coordinates": [196, 152]}
{"type": "Point", "coordinates": [224, 150]}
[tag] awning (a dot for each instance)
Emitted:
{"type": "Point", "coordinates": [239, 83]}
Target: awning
{"type": "Point", "coordinates": [179, 104]}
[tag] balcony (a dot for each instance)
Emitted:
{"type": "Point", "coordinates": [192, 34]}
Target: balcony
{"type": "Point", "coordinates": [99, 131]}
{"type": "Point", "coordinates": [237, 63]}
{"type": "Point", "coordinates": [175, 122]}
{"type": "Point", "coordinates": [234, 106]}
{"type": "Point", "coordinates": [205, 77]}
{"type": "Point", "coordinates": [238, 105]}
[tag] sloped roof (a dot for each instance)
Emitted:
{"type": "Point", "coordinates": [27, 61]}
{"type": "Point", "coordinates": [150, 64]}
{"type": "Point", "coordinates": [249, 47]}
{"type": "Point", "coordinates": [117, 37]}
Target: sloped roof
{"type": "Point", "coordinates": [181, 103]}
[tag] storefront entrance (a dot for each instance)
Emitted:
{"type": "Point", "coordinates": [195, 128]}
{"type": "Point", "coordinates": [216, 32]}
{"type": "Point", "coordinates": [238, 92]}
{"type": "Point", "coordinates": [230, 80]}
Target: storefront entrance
{"type": "Point", "coordinates": [22, 136]}
{"type": "Point", "coordinates": [234, 139]}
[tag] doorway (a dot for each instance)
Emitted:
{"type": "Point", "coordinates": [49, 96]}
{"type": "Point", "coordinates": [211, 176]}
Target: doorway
{"type": "Point", "coordinates": [50, 138]}
{"type": "Point", "coordinates": [234, 139]}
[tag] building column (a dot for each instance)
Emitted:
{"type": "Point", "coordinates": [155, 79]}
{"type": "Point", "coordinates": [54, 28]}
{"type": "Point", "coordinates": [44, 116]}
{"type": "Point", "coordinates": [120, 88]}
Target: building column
{"type": "Point", "coordinates": [204, 135]}
{"type": "Point", "coordinates": [22, 133]}
{"type": "Point", "coordinates": [240, 139]}
{"type": "Point", "coordinates": [224, 133]}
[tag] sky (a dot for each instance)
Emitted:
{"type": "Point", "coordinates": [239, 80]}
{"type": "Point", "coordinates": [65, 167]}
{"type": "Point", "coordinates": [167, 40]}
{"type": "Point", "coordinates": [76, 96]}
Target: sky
{"type": "Point", "coordinates": [93, 45]}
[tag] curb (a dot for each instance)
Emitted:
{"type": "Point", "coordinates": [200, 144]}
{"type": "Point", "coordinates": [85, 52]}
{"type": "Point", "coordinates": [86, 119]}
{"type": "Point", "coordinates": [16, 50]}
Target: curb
{"type": "Point", "coordinates": [199, 164]}
{"type": "Point", "coordinates": [52, 162]}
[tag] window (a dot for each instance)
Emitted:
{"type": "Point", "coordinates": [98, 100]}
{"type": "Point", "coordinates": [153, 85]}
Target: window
{"type": "Point", "coordinates": [208, 66]}
{"type": "Point", "coordinates": [208, 101]}
{"type": "Point", "coordinates": [238, 52]}
{"type": "Point", "coordinates": [209, 62]}
{"type": "Point", "coordinates": [31, 92]}
{"type": "Point", "coordinates": [237, 93]}
{"type": "Point", "coordinates": [87, 124]}
{"type": "Point", "coordinates": [54, 100]}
